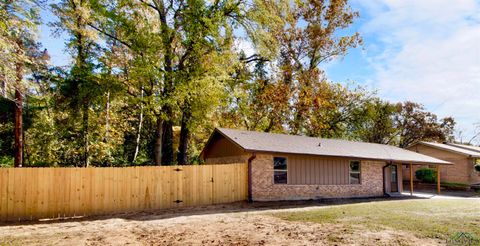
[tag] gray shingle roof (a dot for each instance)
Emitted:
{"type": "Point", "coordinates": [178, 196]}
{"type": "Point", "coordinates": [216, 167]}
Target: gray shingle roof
{"type": "Point", "coordinates": [462, 149]}
{"type": "Point", "coordinates": [291, 144]}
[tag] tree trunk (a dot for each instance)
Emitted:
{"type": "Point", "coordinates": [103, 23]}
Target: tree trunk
{"type": "Point", "coordinates": [86, 154]}
{"type": "Point", "coordinates": [81, 61]}
{"type": "Point", "coordinates": [167, 143]}
{"type": "Point", "coordinates": [158, 142]}
{"type": "Point", "coordinates": [167, 40]}
{"type": "Point", "coordinates": [18, 128]}
{"type": "Point", "coordinates": [25, 153]}
{"type": "Point", "coordinates": [182, 157]}
{"type": "Point", "coordinates": [107, 130]}
{"type": "Point", "coordinates": [3, 84]}
{"type": "Point", "coordinates": [140, 122]}
{"type": "Point", "coordinates": [107, 118]}
{"type": "Point", "coordinates": [270, 125]}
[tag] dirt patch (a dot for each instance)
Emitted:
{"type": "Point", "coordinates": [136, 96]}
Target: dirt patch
{"type": "Point", "coordinates": [216, 225]}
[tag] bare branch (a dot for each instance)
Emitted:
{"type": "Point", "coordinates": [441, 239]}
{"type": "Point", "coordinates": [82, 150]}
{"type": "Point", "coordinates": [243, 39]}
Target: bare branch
{"type": "Point", "coordinates": [109, 35]}
{"type": "Point", "coordinates": [149, 5]}
{"type": "Point", "coordinates": [254, 58]}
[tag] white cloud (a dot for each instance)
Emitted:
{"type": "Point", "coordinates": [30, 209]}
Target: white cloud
{"type": "Point", "coordinates": [430, 54]}
{"type": "Point", "coordinates": [242, 44]}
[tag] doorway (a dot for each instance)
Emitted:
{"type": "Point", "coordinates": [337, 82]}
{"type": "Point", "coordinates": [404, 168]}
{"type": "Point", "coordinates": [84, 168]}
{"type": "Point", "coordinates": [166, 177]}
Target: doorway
{"type": "Point", "coordinates": [393, 178]}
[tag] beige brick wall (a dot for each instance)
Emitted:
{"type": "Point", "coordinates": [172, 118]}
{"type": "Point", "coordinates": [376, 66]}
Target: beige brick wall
{"type": "Point", "coordinates": [263, 188]}
{"type": "Point", "coordinates": [474, 174]}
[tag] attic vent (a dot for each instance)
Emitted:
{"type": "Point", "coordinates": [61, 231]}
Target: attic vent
{"type": "Point", "coordinates": [319, 144]}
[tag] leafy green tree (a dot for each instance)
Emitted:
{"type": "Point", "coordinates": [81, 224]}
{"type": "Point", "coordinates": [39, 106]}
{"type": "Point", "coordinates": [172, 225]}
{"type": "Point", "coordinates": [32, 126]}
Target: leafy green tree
{"type": "Point", "coordinates": [18, 22]}
{"type": "Point", "coordinates": [377, 123]}
{"type": "Point", "coordinates": [414, 123]}
{"type": "Point", "coordinates": [402, 124]}
{"type": "Point", "coordinates": [79, 90]}
{"type": "Point", "coordinates": [176, 45]}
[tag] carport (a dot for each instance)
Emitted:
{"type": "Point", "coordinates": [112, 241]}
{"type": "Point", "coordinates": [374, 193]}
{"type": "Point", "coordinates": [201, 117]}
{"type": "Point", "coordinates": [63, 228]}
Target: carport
{"type": "Point", "coordinates": [393, 173]}
{"type": "Point", "coordinates": [437, 168]}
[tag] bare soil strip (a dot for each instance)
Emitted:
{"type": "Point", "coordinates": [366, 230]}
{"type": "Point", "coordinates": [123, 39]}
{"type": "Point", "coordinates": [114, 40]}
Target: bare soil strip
{"type": "Point", "coordinates": [233, 224]}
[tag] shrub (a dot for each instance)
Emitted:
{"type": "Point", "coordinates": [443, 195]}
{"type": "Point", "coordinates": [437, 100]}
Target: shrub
{"type": "Point", "coordinates": [426, 175]}
{"type": "Point", "coordinates": [476, 189]}
{"type": "Point", "coordinates": [6, 161]}
{"type": "Point", "coordinates": [477, 167]}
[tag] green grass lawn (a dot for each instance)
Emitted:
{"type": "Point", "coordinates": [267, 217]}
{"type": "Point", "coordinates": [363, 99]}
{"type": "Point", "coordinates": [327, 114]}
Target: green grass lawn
{"type": "Point", "coordinates": [424, 218]}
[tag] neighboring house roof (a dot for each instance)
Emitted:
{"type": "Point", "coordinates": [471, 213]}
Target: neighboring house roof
{"type": "Point", "coordinates": [461, 149]}
{"type": "Point", "coordinates": [290, 144]}
{"type": "Point", "coordinates": [464, 146]}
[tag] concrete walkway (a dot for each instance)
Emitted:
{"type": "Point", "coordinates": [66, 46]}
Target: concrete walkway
{"type": "Point", "coordinates": [445, 195]}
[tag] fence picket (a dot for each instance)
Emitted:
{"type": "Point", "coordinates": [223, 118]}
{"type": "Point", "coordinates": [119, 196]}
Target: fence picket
{"type": "Point", "coordinates": [39, 193]}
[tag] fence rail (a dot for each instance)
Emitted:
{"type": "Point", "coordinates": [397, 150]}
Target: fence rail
{"type": "Point", "coordinates": [39, 193]}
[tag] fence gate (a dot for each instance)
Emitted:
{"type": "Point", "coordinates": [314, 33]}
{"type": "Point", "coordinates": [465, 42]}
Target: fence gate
{"type": "Point", "coordinates": [40, 193]}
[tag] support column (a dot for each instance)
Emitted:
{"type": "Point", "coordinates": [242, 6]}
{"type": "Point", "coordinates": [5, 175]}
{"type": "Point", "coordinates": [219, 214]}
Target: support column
{"type": "Point", "coordinates": [438, 179]}
{"type": "Point", "coordinates": [411, 179]}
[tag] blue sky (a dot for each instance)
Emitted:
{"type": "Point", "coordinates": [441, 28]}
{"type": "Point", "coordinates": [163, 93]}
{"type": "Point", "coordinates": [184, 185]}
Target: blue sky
{"type": "Point", "coordinates": [54, 44]}
{"type": "Point", "coordinates": [426, 51]}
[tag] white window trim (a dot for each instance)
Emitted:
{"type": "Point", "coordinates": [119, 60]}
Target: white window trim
{"type": "Point", "coordinates": [359, 172]}
{"type": "Point", "coordinates": [278, 170]}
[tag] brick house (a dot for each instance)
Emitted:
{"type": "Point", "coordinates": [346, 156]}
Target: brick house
{"type": "Point", "coordinates": [288, 167]}
{"type": "Point", "coordinates": [463, 157]}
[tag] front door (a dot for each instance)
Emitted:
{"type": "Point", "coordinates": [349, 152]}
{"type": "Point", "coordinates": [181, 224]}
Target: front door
{"type": "Point", "coordinates": [393, 179]}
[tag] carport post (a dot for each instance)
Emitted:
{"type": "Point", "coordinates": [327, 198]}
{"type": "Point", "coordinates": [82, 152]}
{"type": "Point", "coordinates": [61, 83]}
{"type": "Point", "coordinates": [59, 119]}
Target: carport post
{"type": "Point", "coordinates": [438, 179]}
{"type": "Point", "coordinates": [411, 179]}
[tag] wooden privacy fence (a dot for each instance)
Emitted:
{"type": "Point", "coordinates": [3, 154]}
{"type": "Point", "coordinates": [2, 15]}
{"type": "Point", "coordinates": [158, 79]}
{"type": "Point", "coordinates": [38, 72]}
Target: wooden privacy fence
{"type": "Point", "coordinates": [39, 193]}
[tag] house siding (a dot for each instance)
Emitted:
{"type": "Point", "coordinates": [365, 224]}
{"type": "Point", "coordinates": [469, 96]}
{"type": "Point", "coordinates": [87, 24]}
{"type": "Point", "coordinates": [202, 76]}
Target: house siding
{"type": "Point", "coordinates": [304, 170]}
{"type": "Point", "coordinates": [222, 147]}
{"type": "Point", "coordinates": [263, 188]}
{"type": "Point", "coordinates": [228, 159]}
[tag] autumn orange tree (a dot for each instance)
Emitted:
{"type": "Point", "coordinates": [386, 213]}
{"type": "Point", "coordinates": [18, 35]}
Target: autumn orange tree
{"type": "Point", "coordinates": [291, 93]}
{"type": "Point", "coordinates": [291, 90]}
{"type": "Point", "coordinates": [414, 123]}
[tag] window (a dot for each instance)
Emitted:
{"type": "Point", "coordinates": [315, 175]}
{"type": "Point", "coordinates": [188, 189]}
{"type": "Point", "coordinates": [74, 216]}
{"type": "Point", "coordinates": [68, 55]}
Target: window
{"type": "Point", "coordinates": [279, 170]}
{"type": "Point", "coordinates": [355, 172]}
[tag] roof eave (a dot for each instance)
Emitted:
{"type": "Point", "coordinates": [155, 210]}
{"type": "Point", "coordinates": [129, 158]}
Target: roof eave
{"type": "Point", "coordinates": [353, 157]}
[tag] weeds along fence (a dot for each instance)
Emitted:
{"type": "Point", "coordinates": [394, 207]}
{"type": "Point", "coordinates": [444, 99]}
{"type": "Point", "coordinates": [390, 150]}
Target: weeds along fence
{"type": "Point", "coordinates": [41, 193]}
